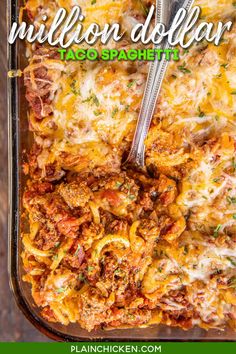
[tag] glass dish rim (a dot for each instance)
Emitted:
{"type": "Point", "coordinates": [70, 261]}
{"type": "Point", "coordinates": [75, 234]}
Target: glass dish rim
{"type": "Point", "coordinates": [14, 215]}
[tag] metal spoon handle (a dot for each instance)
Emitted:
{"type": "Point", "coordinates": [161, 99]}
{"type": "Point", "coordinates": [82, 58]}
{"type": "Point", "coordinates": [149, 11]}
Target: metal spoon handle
{"type": "Point", "coordinates": [166, 10]}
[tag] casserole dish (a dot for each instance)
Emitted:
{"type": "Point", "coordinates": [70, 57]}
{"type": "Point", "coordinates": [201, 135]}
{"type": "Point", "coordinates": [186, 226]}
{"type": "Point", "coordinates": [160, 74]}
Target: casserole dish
{"type": "Point", "coordinates": [19, 140]}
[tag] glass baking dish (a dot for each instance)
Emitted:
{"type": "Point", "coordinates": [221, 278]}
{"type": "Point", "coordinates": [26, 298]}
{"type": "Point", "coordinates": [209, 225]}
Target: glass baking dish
{"type": "Point", "coordinates": [19, 140]}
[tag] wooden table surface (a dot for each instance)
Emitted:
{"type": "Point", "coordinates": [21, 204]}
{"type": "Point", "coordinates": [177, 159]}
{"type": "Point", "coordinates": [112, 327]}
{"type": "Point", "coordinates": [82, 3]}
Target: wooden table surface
{"type": "Point", "coordinates": [13, 326]}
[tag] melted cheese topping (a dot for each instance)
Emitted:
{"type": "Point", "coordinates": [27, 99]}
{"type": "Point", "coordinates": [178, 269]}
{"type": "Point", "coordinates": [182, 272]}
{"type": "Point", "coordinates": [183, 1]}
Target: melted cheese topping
{"type": "Point", "coordinates": [192, 140]}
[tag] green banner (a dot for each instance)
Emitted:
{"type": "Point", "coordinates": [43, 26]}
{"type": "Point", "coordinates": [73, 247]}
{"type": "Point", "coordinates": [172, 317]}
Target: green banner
{"type": "Point", "coordinates": [110, 348]}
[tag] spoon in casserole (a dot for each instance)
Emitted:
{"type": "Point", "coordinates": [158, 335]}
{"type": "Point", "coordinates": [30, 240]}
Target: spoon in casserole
{"type": "Point", "coordinates": [165, 13]}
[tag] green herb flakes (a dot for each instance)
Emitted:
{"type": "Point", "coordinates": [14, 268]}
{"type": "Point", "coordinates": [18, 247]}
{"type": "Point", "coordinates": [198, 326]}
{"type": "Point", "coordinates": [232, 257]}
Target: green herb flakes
{"type": "Point", "coordinates": [217, 230]}
{"type": "Point", "coordinates": [184, 69]}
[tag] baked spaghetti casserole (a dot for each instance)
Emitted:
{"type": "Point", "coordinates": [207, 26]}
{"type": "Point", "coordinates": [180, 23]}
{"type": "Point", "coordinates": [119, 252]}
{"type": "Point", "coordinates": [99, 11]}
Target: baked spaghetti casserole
{"type": "Point", "coordinates": [111, 248]}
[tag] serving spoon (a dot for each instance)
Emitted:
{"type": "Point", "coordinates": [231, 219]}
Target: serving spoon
{"type": "Point", "coordinates": [165, 13]}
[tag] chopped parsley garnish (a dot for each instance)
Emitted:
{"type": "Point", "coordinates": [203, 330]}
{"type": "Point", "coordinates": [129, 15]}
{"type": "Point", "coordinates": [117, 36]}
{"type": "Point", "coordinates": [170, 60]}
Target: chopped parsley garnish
{"type": "Point", "coordinates": [232, 282]}
{"type": "Point", "coordinates": [90, 268]}
{"type": "Point", "coordinates": [234, 164]}
{"type": "Point", "coordinates": [77, 250]}
{"type": "Point", "coordinates": [225, 66]}
{"type": "Point", "coordinates": [61, 290]}
{"type": "Point", "coordinates": [93, 2]}
{"type": "Point", "coordinates": [95, 100]}
{"type": "Point", "coordinates": [200, 112]}
{"type": "Point", "coordinates": [114, 112]}
{"type": "Point", "coordinates": [117, 271]}
{"type": "Point", "coordinates": [143, 7]}
{"type": "Point", "coordinates": [186, 249]}
{"type": "Point", "coordinates": [233, 92]}
{"type": "Point", "coordinates": [97, 113]}
{"type": "Point", "coordinates": [74, 90]}
{"type": "Point", "coordinates": [223, 40]}
{"type": "Point", "coordinates": [184, 69]}
{"type": "Point", "coordinates": [216, 180]}
{"type": "Point", "coordinates": [131, 83]}
{"type": "Point", "coordinates": [81, 277]}
{"type": "Point", "coordinates": [231, 200]}
{"type": "Point", "coordinates": [217, 271]}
